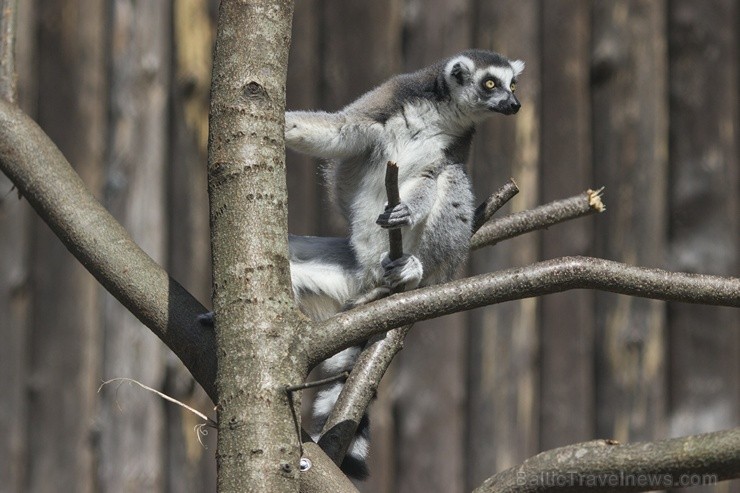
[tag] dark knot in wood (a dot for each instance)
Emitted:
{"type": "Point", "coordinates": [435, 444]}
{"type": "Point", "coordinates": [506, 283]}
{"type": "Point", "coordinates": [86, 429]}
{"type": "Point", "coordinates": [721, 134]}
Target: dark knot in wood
{"type": "Point", "coordinates": [254, 90]}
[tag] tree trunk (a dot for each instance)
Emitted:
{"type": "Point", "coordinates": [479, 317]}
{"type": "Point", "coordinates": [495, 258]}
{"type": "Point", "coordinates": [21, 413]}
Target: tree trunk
{"type": "Point", "coordinates": [630, 152]}
{"type": "Point", "coordinates": [255, 316]}
{"type": "Point", "coordinates": [132, 454]}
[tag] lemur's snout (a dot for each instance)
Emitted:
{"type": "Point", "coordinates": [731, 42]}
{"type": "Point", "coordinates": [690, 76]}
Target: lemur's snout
{"type": "Point", "coordinates": [509, 107]}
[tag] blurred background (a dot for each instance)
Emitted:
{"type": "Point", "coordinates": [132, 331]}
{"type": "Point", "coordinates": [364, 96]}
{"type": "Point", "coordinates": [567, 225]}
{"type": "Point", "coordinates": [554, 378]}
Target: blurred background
{"type": "Point", "coordinates": [639, 96]}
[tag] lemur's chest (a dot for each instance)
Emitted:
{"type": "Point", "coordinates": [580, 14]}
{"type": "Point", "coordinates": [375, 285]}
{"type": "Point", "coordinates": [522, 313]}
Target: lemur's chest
{"type": "Point", "coordinates": [417, 134]}
{"type": "Point", "coordinates": [417, 138]}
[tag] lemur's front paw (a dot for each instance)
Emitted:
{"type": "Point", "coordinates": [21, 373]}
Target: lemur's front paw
{"type": "Point", "coordinates": [406, 271]}
{"type": "Point", "coordinates": [395, 217]}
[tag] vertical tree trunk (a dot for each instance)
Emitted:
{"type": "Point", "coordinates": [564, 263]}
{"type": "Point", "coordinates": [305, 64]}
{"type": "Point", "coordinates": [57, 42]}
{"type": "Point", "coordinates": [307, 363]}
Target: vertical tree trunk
{"type": "Point", "coordinates": [567, 319]}
{"type": "Point", "coordinates": [432, 366]}
{"type": "Point", "coordinates": [630, 152]}
{"type": "Point", "coordinates": [258, 447]}
{"type": "Point", "coordinates": [704, 374]}
{"type": "Point", "coordinates": [503, 370]}
{"type": "Point", "coordinates": [190, 466]}
{"type": "Point", "coordinates": [14, 279]}
{"type": "Point", "coordinates": [65, 342]}
{"type": "Point", "coordinates": [132, 431]}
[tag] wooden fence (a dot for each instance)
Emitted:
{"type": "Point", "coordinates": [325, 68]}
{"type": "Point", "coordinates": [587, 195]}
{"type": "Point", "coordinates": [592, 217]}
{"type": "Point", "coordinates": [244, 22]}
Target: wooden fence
{"type": "Point", "coordinates": [638, 96]}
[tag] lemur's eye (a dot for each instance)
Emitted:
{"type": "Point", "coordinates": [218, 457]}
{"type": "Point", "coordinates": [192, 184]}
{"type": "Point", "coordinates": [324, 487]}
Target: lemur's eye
{"type": "Point", "coordinates": [513, 87]}
{"type": "Point", "coordinates": [489, 83]}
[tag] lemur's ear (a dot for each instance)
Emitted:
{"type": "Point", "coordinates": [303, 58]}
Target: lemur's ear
{"type": "Point", "coordinates": [459, 70]}
{"type": "Point", "coordinates": [517, 66]}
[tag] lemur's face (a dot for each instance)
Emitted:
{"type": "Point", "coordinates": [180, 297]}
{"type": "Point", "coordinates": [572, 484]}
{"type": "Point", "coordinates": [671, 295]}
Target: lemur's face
{"type": "Point", "coordinates": [483, 89]}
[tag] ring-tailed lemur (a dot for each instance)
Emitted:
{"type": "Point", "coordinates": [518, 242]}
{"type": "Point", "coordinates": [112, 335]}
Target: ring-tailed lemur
{"type": "Point", "coordinates": [423, 121]}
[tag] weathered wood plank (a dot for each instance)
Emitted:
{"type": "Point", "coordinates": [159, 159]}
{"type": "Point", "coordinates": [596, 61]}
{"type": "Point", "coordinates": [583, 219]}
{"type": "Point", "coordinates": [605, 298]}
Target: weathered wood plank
{"type": "Point", "coordinates": [65, 339]}
{"type": "Point", "coordinates": [704, 377]}
{"type": "Point", "coordinates": [630, 135]}
{"type": "Point", "coordinates": [431, 389]}
{"type": "Point", "coordinates": [15, 222]}
{"type": "Point", "coordinates": [503, 369]}
{"type": "Point", "coordinates": [567, 319]}
{"type": "Point", "coordinates": [132, 426]}
{"type": "Point", "coordinates": [189, 466]}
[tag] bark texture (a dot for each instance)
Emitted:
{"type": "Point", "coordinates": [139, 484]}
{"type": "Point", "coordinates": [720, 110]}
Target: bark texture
{"type": "Point", "coordinates": [255, 318]}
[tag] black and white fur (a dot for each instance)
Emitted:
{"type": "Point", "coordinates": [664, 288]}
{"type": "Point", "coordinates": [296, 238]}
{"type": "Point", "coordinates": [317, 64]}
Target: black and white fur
{"type": "Point", "coordinates": [423, 121]}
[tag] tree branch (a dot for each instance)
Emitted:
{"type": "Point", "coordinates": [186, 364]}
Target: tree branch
{"type": "Point", "coordinates": [323, 475]}
{"type": "Point", "coordinates": [551, 276]}
{"type": "Point", "coordinates": [540, 217]}
{"type": "Point", "coordinates": [359, 391]}
{"type": "Point", "coordinates": [44, 177]}
{"type": "Point", "coordinates": [606, 466]}
{"type": "Point", "coordinates": [492, 204]}
{"type": "Point", "coordinates": [8, 23]}
{"type": "Point", "coordinates": [256, 321]}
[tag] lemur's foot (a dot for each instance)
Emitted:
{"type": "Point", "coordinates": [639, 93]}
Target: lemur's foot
{"type": "Point", "coordinates": [395, 217]}
{"type": "Point", "coordinates": [373, 295]}
{"type": "Point", "coordinates": [406, 271]}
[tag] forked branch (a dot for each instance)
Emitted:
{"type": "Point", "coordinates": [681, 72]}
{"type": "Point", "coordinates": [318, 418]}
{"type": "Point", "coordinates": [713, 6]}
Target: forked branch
{"type": "Point", "coordinates": [541, 217]}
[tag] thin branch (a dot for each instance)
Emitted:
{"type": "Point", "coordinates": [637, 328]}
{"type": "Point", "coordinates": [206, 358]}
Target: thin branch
{"type": "Point", "coordinates": [551, 276]}
{"type": "Point", "coordinates": [317, 383]}
{"type": "Point", "coordinates": [607, 466]}
{"type": "Point", "coordinates": [492, 204]}
{"type": "Point", "coordinates": [540, 217]}
{"type": "Point", "coordinates": [359, 391]}
{"type": "Point", "coordinates": [8, 25]}
{"type": "Point", "coordinates": [44, 177]}
{"type": "Point", "coordinates": [208, 421]}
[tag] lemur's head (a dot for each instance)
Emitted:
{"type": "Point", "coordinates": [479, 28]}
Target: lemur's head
{"type": "Point", "coordinates": [482, 81]}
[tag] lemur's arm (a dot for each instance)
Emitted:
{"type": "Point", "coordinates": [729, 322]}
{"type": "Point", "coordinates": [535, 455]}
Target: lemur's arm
{"type": "Point", "coordinates": [327, 135]}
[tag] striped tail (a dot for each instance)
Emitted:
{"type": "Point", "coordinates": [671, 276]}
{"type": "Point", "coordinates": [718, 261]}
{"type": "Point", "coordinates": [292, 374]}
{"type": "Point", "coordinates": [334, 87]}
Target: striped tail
{"type": "Point", "coordinates": [354, 464]}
